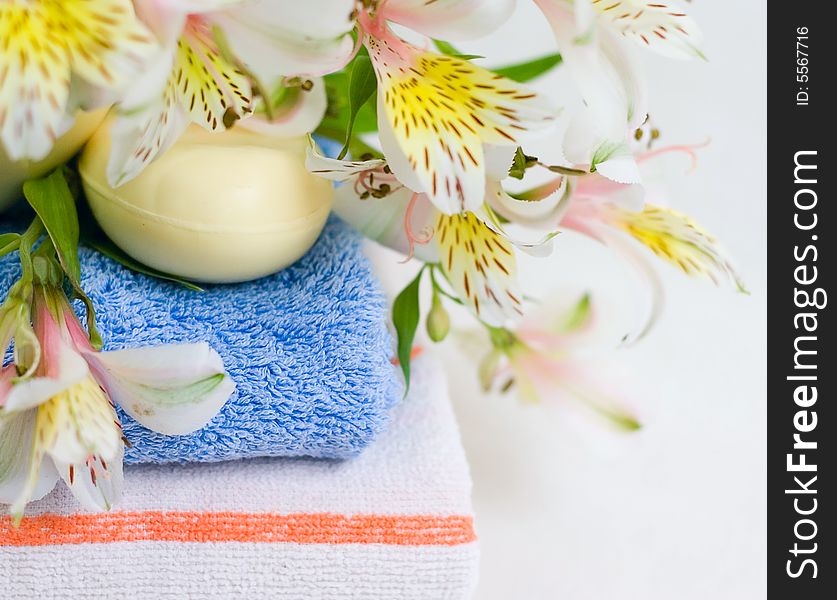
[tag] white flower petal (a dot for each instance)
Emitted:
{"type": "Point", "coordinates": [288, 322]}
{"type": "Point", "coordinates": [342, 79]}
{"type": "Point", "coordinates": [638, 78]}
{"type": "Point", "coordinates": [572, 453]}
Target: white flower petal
{"type": "Point", "coordinates": [450, 19]}
{"type": "Point", "coordinates": [541, 214]}
{"type": "Point", "coordinates": [78, 423]}
{"type": "Point", "coordinates": [96, 484]}
{"type": "Point", "coordinates": [274, 39]}
{"type": "Point", "coordinates": [531, 240]}
{"type": "Point", "coordinates": [498, 161]}
{"type": "Point", "coordinates": [33, 391]}
{"type": "Point", "coordinates": [298, 116]}
{"type": "Point", "coordinates": [334, 169]}
{"type": "Point", "coordinates": [16, 437]}
{"type": "Point", "coordinates": [137, 139]}
{"type": "Point", "coordinates": [610, 83]}
{"type": "Point", "coordinates": [618, 165]}
{"type": "Point", "coordinates": [664, 27]}
{"type": "Point", "coordinates": [173, 389]}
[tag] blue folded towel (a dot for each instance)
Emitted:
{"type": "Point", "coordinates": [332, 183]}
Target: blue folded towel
{"type": "Point", "coordinates": [308, 348]}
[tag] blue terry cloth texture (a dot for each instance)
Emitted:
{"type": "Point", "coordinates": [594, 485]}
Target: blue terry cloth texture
{"type": "Point", "coordinates": [308, 349]}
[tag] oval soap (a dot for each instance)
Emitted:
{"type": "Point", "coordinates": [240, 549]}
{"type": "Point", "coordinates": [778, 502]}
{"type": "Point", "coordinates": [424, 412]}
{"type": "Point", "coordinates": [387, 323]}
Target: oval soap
{"type": "Point", "coordinates": [216, 207]}
{"type": "Point", "coordinates": [14, 174]}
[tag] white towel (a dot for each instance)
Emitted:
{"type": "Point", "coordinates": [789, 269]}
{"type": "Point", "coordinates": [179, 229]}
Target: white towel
{"type": "Point", "coordinates": [394, 523]}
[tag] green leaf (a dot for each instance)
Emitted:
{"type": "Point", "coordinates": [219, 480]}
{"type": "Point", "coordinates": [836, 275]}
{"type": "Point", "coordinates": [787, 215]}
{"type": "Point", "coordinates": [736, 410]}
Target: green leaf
{"type": "Point", "coordinates": [405, 317]}
{"type": "Point", "coordinates": [520, 163]}
{"type": "Point", "coordinates": [113, 252]}
{"type": "Point", "coordinates": [578, 316]}
{"type": "Point", "coordinates": [531, 69]}
{"type": "Point", "coordinates": [567, 170]}
{"type": "Point", "coordinates": [54, 204]}
{"type": "Point", "coordinates": [336, 120]}
{"type": "Point", "coordinates": [9, 242]}
{"type": "Point", "coordinates": [362, 85]}
{"type": "Point", "coordinates": [449, 50]}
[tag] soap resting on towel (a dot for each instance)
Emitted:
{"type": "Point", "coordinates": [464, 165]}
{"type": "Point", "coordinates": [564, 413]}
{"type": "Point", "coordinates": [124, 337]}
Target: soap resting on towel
{"type": "Point", "coordinates": [394, 523]}
{"type": "Point", "coordinates": [308, 349]}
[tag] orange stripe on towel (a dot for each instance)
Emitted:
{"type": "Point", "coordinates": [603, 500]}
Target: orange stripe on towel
{"type": "Point", "coordinates": [200, 527]}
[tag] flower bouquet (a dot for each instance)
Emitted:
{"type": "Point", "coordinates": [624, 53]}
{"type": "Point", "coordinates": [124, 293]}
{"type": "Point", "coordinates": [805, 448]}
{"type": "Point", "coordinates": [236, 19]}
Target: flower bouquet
{"type": "Point", "coordinates": [206, 110]}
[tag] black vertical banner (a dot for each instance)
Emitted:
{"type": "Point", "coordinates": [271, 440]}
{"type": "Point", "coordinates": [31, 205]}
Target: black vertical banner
{"type": "Point", "coordinates": [802, 225]}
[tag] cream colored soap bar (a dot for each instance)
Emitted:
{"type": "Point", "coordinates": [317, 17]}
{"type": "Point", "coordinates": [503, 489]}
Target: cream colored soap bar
{"type": "Point", "coordinates": [14, 174]}
{"type": "Point", "coordinates": [216, 207]}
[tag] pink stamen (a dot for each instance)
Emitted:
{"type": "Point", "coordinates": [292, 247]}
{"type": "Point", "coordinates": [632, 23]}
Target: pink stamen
{"type": "Point", "coordinates": [688, 149]}
{"type": "Point", "coordinates": [412, 238]}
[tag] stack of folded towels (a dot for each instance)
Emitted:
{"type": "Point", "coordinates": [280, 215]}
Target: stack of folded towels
{"type": "Point", "coordinates": [310, 354]}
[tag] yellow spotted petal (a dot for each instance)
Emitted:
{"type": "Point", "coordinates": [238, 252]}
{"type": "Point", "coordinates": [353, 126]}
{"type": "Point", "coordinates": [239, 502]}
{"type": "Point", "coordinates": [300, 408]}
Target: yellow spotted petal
{"type": "Point", "coordinates": [107, 43]}
{"type": "Point", "coordinates": [203, 88]}
{"type": "Point", "coordinates": [664, 27]}
{"type": "Point", "coordinates": [78, 423]}
{"type": "Point", "coordinates": [206, 83]}
{"type": "Point", "coordinates": [440, 111]}
{"type": "Point", "coordinates": [71, 427]}
{"type": "Point", "coordinates": [41, 44]}
{"type": "Point", "coordinates": [34, 82]}
{"type": "Point", "coordinates": [480, 266]}
{"type": "Point", "coordinates": [676, 238]}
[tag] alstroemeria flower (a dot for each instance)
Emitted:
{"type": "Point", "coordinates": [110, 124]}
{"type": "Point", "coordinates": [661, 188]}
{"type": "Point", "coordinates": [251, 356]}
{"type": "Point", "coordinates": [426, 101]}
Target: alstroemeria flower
{"type": "Point", "coordinates": [590, 37]}
{"type": "Point", "coordinates": [478, 261]}
{"type": "Point", "coordinates": [61, 421]}
{"type": "Point", "coordinates": [47, 48]}
{"type": "Point", "coordinates": [437, 112]}
{"type": "Point", "coordinates": [211, 51]}
{"type": "Point", "coordinates": [540, 360]}
{"type": "Point", "coordinates": [620, 215]}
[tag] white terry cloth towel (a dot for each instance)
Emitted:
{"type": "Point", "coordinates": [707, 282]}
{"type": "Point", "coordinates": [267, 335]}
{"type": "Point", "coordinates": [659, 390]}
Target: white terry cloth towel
{"type": "Point", "coordinates": [394, 523]}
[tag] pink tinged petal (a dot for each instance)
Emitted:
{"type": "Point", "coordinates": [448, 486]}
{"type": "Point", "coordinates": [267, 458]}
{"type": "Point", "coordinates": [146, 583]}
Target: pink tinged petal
{"type": "Point", "coordinates": [286, 39]}
{"type": "Point", "coordinates": [595, 188]}
{"type": "Point", "coordinates": [96, 483]}
{"type": "Point", "coordinates": [450, 19]}
{"type": "Point", "coordinates": [24, 474]}
{"type": "Point", "coordinates": [581, 385]}
{"type": "Point", "coordinates": [174, 389]}
{"type": "Point", "coordinates": [34, 391]}
{"type": "Point", "coordinates": [7, 374]}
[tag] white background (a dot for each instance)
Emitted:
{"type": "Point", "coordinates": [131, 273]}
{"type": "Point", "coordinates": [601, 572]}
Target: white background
{"type": "Point", "coordinates": [568, 509]}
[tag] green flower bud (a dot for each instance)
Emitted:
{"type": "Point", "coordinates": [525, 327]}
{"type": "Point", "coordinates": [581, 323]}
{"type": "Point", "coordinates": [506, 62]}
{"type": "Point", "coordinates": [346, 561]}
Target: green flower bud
{"type": "Point", "coordinates": [488, 369]}
{"type": "Point", "coordinates": [438, 320]}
